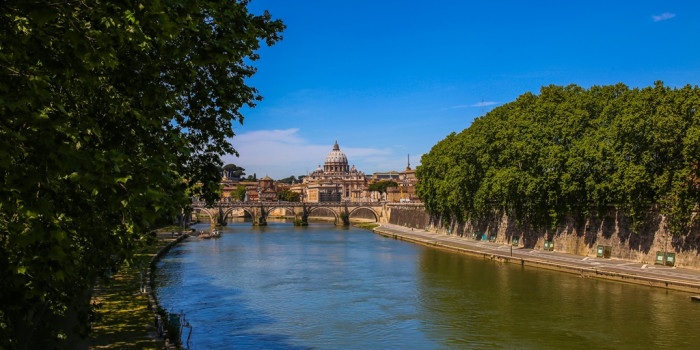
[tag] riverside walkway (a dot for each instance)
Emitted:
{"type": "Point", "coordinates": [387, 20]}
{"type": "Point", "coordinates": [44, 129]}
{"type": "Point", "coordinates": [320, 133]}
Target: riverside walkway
{"type": "Point", "coordinates": [592, 267]}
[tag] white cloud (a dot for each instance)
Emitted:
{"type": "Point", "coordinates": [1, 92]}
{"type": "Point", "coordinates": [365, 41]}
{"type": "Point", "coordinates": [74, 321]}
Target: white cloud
{"type": "Point", "coordinates": [281, 153]}
{"type": "Point", "coordinates": [484, 104]}
{"type": "Point", "coordinates": [480, 104]}
{"type": "Point", "coordinates": [662, 17]}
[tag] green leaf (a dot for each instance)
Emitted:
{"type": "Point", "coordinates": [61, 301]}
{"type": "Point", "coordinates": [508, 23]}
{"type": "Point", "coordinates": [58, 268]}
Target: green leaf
{"type": "Point", "coordinates": [123, 179]}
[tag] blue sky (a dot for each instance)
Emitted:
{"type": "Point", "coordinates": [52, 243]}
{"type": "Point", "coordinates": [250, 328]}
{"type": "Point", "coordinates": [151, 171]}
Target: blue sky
{"type": "Point", "coordinates": [387, 79]}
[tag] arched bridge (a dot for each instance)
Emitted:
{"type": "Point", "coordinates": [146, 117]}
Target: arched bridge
{"type": "Point", "coordinates": [259, 211]}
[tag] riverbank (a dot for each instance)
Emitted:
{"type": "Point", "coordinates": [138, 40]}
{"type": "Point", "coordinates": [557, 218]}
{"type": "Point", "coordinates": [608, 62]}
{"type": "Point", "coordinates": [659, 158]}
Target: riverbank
{"type": "Point", "coordinates": [127, 306]}
{"type": "Point", "coordinates": [590, 267]}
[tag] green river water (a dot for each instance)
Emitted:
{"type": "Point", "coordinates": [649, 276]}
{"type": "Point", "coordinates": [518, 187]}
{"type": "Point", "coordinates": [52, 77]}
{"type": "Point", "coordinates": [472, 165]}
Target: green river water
{"type": "Point", "coordinates": [325, 287]}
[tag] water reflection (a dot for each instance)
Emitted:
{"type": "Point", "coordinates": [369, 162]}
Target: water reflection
{"type": "Point", "coordinates": [284, 287]}
{"type": "Point", "coordinates": [475, 303]}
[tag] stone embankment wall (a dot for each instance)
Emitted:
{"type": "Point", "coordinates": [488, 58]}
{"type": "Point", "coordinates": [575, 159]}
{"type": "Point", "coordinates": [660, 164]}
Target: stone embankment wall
{"type": "Point", "coordinates": [581, 238]}
{"type": "Point", "coordinates": [407, 215]}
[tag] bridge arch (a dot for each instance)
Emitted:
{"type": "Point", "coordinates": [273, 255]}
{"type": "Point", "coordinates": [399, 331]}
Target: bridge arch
{"type": "Point", "coordinates": [288, 209]}
{"type": "Point", "coordinates": [246, 210]}
{"type": "Point", "coordinates": [363, 208]}
{"type": "Point", "coordinates": [211, 213]}
{"type": "Point", "coordinates": [335, 213]}
{"type": "Point", "coordinates": [227, 213]}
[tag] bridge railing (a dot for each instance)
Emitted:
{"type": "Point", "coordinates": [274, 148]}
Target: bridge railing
{"type": "Point", "coordinates": [223, 204]}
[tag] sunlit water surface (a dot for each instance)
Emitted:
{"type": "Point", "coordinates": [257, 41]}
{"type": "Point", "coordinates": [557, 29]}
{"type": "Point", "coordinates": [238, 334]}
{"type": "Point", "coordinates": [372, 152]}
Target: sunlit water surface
{"type": "Point", "coordinates": [324, 287]}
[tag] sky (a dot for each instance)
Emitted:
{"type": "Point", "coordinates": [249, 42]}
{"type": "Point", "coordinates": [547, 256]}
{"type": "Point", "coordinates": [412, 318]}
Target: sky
{"type": "Point", "coordinates": [389, 79]}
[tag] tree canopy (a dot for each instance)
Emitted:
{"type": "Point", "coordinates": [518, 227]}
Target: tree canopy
{"type": "Point", "coordinates": [233, 171]}
{"type": "Point", "coordinates": [572, 151]}
{"type": "Point", "coordinates": [240, 192]}
{"type": "Point", "coordinates": [291, 180]}
{"type": "Point", "coordinates": [381, 186]}
{"type": "Point", "coordinates": [287, 195]}
{"type": "Point", "coordinates": [109, 113]}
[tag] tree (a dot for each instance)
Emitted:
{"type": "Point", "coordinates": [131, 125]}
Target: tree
{"type": "Point", "coordinates": [572, 152]}
{"type": "Point", "coordinates": [110, 112]}
{"type": "Point", "coordinates": [288, 196]}
{"type": "Point", "coordinates": [240, 192]}
{"type": "Point", "coordinates": [289, 180]}
{"type": "Point", "coordinates": [233, 171]}
{"type": "Point", "coordinates": [381, 186]}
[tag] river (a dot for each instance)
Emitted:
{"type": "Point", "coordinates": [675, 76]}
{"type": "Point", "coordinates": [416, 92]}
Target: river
{"type": "Point", "coordinates": [326, 287]}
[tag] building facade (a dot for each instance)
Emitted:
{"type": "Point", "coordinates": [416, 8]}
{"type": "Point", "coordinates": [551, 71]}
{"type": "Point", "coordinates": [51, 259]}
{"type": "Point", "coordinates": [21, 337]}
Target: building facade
{"type": "Point", "coordinates": [264, 190]}
{"type": "Point", "coordinates": [336, 181]}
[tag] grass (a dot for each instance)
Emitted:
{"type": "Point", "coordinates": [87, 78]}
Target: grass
{"type": "Point", "coordinates": [123, 317]}
{"type": "Point", "coordinates": [367, 225]}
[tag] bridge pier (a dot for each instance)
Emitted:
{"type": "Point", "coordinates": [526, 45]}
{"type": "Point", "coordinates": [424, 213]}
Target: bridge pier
{"type": "Point", "coordinates": [301, 219]}
{"type": "Point", "coordinates": [345, 216]}
{"type": "Point", "coordinates": [220, 218]}
{"type": "Point", "coordinates": [260, 217]}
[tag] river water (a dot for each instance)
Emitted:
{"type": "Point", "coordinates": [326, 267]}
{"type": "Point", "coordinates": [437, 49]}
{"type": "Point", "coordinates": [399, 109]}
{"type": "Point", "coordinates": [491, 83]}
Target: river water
{"type": "Point", "coordinates": [325, 287]}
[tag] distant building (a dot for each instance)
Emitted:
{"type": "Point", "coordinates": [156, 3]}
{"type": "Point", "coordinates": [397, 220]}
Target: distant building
{"type": "Point", "coordinates": [336, 181]}
{"type": "Point", "coordinates": [228, 189]}
{"type": "Point", "coordinates": [406, 181]}
{"type": "Point", "coordinates": [385, 176]}
{"type": "Point", "coordinates": [407, 184]}
{"type": "Point", "coordinates": [267, 190]}
{"type": "Point", "coordinates": [264, 189]}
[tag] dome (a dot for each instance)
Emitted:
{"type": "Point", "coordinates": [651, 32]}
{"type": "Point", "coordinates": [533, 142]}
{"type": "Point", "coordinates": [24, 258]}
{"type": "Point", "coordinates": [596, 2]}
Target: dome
{"type": "Point", "coordinates": [336, 161]}
{"type": "Point", "coordinates": [336, 156]}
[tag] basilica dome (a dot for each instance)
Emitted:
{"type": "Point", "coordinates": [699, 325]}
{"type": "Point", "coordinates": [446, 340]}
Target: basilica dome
{"type": "Point", "coordinates": [336, 161]}
{"type": "Point", "coordinates": [336, 155]}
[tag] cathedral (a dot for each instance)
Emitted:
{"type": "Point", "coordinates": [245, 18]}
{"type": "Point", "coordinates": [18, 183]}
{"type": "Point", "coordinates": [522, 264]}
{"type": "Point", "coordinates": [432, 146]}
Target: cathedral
{"type": "Point", "coordinates": [336, 181]}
